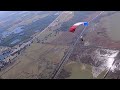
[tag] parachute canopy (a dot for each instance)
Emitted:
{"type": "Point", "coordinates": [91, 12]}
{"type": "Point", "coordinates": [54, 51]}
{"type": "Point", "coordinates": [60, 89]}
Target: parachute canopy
{"type": "Point", "coordinates": [73, 28]}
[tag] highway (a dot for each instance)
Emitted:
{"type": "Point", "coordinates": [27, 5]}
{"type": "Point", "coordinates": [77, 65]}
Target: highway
{"type": "Point", "coordinates": [67, 55]}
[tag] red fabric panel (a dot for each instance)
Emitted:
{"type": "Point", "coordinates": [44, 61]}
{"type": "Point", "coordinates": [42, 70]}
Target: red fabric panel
{"type": "Point", "coordinates": [72, 29]}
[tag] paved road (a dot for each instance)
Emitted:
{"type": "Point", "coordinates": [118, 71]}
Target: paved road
{"type": "Point", "coordinates": [66, 57]}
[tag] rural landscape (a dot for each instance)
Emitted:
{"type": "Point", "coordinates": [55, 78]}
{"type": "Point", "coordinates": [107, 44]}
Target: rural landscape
{"type": "Point", "coordinates": [39, 45]}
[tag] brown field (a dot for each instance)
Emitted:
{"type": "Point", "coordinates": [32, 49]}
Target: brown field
{"type": "Point", "coordinates": [102, 37]}
{"type": "Point", "coordinates": [38, 60]}
{"type": "Point", "coordinates": [32, 61]}
{"type": "Point", "coordinates": [79, 71]}
{"type": "Point", "coordinates": [105, 33]}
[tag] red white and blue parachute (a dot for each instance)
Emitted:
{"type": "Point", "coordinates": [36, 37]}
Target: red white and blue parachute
{"type": "Point", "coordinates": [73, 28]}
